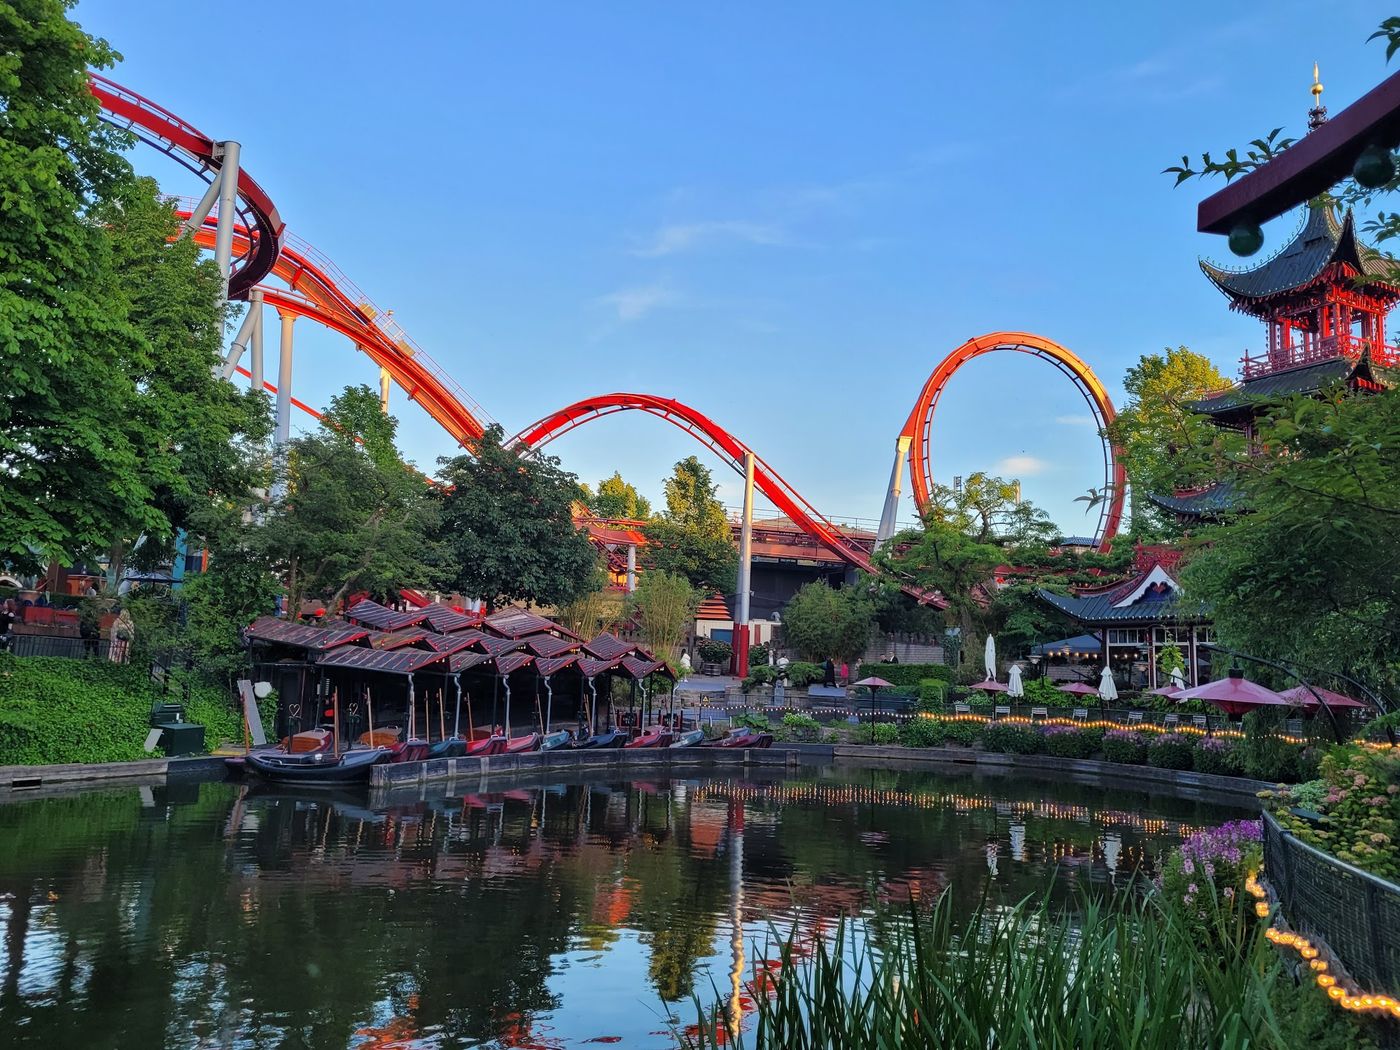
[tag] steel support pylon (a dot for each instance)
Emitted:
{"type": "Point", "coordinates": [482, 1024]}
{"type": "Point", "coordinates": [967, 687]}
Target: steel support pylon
{"type": "Point", "coordinates": [283, 433]}
{"type": "Point", "coordinates": [891, 510]}
{"type": "Point", "coordinates": [228, 212]}
{"type": "Point", "coordinates": [741, 602]}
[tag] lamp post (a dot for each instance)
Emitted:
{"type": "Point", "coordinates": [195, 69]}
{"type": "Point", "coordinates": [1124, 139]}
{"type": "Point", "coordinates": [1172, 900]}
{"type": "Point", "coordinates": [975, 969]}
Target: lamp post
{"type": "Point", "coordinates": [1035, 664]}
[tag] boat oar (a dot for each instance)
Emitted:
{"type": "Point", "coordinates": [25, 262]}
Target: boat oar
{"type": "Point", "coordinates": [442, 718]}
{"type": "Point", "coordinates": [369, 714]}
{"type": "Point", "coordinates": [471, 730]}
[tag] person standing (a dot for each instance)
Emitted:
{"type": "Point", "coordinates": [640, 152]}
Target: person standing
{"type": "Point", "coordinates": [8, 615]}
{"type": "Point", "coordinates": [123, 632]}
{"type": "Point", "coordinates": [829, 673]}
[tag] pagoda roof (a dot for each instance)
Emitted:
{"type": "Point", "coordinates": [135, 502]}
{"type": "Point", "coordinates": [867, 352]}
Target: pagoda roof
{"type": "Point", "coordinates": [1151, 596]}
{"type": "Point", "coordinates": [1217, 499]}
{"type": "Point", "coordinates": [1321, 241]}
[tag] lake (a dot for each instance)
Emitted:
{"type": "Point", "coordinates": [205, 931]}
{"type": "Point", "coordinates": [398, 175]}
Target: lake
{"type": "Point", "coordinates": [574, 915]}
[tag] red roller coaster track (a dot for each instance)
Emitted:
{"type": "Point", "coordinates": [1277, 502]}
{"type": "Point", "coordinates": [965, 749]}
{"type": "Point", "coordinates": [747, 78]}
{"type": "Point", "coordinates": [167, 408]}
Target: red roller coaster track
{"type": "Point", "coordinates": [321, 292]}
{"type": "Point", "coordinates": [918, 428]}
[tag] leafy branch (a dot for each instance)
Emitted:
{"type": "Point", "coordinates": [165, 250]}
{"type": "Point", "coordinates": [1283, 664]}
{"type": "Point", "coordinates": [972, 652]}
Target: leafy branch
{"type": "Point", "coordinates": [1260, 152]}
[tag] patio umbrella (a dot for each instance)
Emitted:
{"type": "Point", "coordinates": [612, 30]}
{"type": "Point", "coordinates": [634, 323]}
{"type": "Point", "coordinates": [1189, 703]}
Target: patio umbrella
{"type": "Point", "coordinates": [990, 657]}
{"type": "Point", "coordinates": [1013, 682]}
{"type": "Point", "coordinates": [1234, 694]}
{"type": "Point", "coordinates": [874, 683]}
{"type": "Point", "coordinates": [1165, 690]}
{"type": "Point", "coordinates": [990, 687]}
{"type": "Point", "coordinates": [1079, 689]}
{"type": "Point", "coordinates": [1301, 696]}
{"type": "Point", "coordinates": [1107, 689]}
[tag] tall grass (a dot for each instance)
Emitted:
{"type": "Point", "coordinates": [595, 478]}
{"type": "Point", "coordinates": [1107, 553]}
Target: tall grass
{"type": "Point", "coordinates": [1128, 973]}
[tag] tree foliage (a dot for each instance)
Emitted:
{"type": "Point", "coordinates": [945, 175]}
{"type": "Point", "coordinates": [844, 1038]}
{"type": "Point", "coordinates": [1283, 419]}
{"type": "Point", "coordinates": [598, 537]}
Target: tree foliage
{"type": "Point", "coordinates": [692, 538]}
{"type": "Point", "coordinates": [1163, 443]}
{"type": "Point", "coordinates": [507, 527]}
{"type": "Point", "coordinates": [691, 501]}
{"type": "Point", "coordinates": [663, 605]}
{"type": "Point", "coordinates": [344, 521]}
{"type": "Point", "coordinates": [99, 321]}
{"type": "Point", "coordinates": [616, 498]}
{"type": "Point", "coordinates": [1312, 571]}
{"type": "Point", "coordinates": [821, 621]}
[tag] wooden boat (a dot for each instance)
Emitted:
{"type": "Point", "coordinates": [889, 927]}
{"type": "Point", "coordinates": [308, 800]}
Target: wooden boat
{"type": "Point", "coordinates": [602, 741]}
{"type": "Point", "coordinates": [523, 744]}
{"type": "Point", "coordinates": [655, 736]}
{"type": "Point", "coordinates": [315, 767]}
{"type": "Point", "coordinates": [742, 737]}
{"type": "Point", "coordinates": [560, 741]}
{"type": "Point", "coordinates": [692, 739]}
{"type": "Point", "coordinates": [380, 737]}
{"type": "Point", "coordinates": [311, 740]}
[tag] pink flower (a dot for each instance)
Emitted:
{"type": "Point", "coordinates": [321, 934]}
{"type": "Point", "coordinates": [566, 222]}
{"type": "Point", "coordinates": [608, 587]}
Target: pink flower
{"type": "Point", "coordinates": [1360, 781]}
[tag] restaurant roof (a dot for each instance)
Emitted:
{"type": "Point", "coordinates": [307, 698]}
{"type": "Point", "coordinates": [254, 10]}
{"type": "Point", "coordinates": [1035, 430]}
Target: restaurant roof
{"type": "Point", "coordinates": [303, 636]}
{"type": "Point", "coordinates": [517, 623]}
{"type": "Point", "coordinates": [399, 661]}
{"type": "Point", "coordinates": [445, 620]}
{"type": "Point", "coordinates": [372, 614]}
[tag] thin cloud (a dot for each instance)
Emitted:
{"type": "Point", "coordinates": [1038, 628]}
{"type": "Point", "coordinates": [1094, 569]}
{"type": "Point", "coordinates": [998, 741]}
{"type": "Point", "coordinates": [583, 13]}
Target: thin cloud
{"type": "Point", "coordinates": [632, 304]}
{"type": "Point", "coordinates": [1021, 466]}
{"type": "Point", "coordinates": [1076, 421]}
{"type": "Point", "coordinates": [683, 237]}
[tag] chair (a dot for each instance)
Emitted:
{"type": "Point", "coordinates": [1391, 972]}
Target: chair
{"type": "Point", "coordinates": [1081, 713]}
{"type": "Point", "coordinates": [1172, 720]}
{"type": "Point", "coordinates": [1293, 727]}
{"type": "Point", "coordinates": [961, 709]}
{"type": "Point", "coordinates": [1199, 721]}
{"type": "Point", "coordinates": [1134, 717]}
{"type": "Point", "coordinates": [1040, 712]}
{"type": "Point", "coordinates": [1003, 711]}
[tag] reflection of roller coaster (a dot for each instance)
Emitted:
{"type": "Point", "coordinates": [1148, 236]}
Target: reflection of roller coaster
{"type": "Point", "coordinates": [238, 221]}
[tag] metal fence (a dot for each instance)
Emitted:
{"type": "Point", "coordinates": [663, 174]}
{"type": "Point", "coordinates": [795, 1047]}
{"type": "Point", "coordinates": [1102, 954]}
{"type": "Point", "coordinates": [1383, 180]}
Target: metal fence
{"type": "Point", "coordinates": [60, 645]}
{"type": "Point", "coordinates": [1356, 913]}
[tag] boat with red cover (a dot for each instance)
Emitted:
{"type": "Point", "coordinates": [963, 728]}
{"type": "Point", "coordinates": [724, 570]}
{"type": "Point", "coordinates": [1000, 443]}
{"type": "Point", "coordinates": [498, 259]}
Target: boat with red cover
{"type": "Point", "coordinates": [523, 744]}
{"type": "Point", "coordinates": [655, 736]}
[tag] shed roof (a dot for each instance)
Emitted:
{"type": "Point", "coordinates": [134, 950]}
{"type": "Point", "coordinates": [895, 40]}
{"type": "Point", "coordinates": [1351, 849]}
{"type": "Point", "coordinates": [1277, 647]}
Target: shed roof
{"type": "Point", "coordinates": [372, 614]}
{"type": "Point", "coordinates": [303, 636]}
{"type": "Point", "coordinates": [399, 661]}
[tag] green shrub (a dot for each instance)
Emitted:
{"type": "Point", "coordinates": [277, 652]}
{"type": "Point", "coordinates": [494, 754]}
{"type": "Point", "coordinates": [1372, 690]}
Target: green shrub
{"type": "Point", "coordinates": [754, 720]}
{"type": "Point", "coordinates": [980, 701]}
{"type": "Point", "coordinates": [1012, 739]}
{"type": "Point", "coordinates": [800, 727]}
{"type": "Point", "coordinates": [907, 677]}
{"type": "Point", "coordinates": [1170, 751]}
{"type": "Point", "coordinates": [800, 675]}
{"type": "Point", "coordinates": [1214, 755]}
{"type": "Point", "coordinates": [758, 654]}
{"type": "Point", "coordinates": [713, 651]}
{"type": "Point", "coordinates": [1122, 745]}
{"type": "Point", "coordinates": [932, 694]}
{"type": "Point", "coordinates": [876, 733]}
{"type": "Point", "coordinates": [1263, 755]}
{"type": "Point", "coordinates": [963, 732]}
{"type": "Point", "coordinates": [760, 675]}
{"type": "Point", "coordinates": [923, 732]}
{"type": "Point", "coordinates": [54, 710]}
{"type": "Point", "coordinates": [1064, 742]}
{"type": "Point", "coordinates": [1043, 691]}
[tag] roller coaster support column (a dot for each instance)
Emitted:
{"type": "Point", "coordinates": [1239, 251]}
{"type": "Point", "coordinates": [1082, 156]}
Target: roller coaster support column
{"type": "Point", "coordinates": [284, 379]}
{"type": "Point", "coordinates": [891, 511]}
{"type": "Point", "coordinates": [228, 215]}
{"type": "Point", "coordinates": [741, 610]}
{"type": "Point", "coordinates": [384, 380]}
{"type": "Point", "coordinates": [255, 309]}
{"type": "Point", "coordinates": [239, 344]}
{"type": "Point", "coordinates": [631, 567]}
{"type": "Point", "coordinates": [203, 208]}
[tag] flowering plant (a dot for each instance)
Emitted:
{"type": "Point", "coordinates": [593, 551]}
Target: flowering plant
{"type": "Point", "coordinates": [1358, 801]}
{"type": "Point", "coordinates": [1206, 875]}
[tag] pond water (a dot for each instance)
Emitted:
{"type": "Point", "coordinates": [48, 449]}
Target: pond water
{"type": "Point", "coordinates": [213, 915]}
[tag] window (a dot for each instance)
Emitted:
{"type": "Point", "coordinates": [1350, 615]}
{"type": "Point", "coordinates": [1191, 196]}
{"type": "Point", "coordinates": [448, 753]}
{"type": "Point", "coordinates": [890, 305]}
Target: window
{"type": "Point", "coordinates": [1127, 636]}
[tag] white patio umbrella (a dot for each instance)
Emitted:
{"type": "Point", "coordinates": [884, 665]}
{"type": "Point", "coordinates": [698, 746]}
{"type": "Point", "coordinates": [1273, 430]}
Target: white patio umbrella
{"type": "Point", "coordinates": [1013, 679]}
{"type": "Point", "coordinates": [990, 657]}
{"type": "Point", "coordinates": [1178, 679]}
{"type": "Point", "coordinates": [1107, 690]}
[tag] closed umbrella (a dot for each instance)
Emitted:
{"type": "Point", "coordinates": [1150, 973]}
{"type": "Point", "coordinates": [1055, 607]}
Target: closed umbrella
{"type": "Point", "coordinates": [1234, 694]}
{"type": "Point", "coordinates": [1107, 689]}
{"type": "Point", "coordinates": [1013, 682]}
{"type": "Point", "coordinates": [1178, 679]}
{"type": "Point", "coordinates": [990, 656]}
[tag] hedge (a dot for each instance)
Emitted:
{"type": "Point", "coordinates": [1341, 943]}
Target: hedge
{"type": "Point", "coordinates": [907, 677]}
{"type": "Point", "coordinates": [55, 710]}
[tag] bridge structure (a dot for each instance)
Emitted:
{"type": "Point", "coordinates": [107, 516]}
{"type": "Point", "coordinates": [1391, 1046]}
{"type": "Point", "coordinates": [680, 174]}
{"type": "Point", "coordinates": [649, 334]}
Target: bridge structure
{"type": "Point", "coordinates": [237, 219]}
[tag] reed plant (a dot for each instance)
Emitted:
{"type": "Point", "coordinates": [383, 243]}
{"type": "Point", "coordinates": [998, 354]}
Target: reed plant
{"type": "Point", "coordinates": [1130, 971]}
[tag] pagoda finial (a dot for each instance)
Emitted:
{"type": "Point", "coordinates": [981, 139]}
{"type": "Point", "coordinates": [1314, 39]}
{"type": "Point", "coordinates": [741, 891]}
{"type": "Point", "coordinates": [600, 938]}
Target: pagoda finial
{"type": "Point", "coordinates": [1317, 116]}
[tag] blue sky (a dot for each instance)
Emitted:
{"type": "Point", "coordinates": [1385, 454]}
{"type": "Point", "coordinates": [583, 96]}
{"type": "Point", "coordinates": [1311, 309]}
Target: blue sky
{"type": "Point", "coordinates": [783, 214]}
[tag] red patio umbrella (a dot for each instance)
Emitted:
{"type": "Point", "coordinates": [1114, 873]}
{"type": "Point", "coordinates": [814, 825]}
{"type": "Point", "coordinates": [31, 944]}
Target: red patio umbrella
{"type": "Point", "coordinates": [990, 687]}
{"type": "Point", "coordinates": [1301, 696]}
{"type": "Point", "coordinates": [1234, 694]}
{"type": "Point", "coordinates": [1079, 689]}
{"type": "Point", "coordinates": [1164, 690]}
{"type": "Point", "coordinates": [875, 683]}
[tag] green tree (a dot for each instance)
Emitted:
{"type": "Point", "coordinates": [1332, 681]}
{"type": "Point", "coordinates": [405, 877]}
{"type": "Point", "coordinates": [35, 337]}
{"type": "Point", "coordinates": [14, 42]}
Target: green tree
{"type": "Point", "coordinates": [1312, 570]}
{"type": "Point", "coordinates": [822, 621]}
{"type": "Point", "coordinates": [663, 606]}
{"type": "Point", "coordinates": [507, 527]}
{"type": "Point", "coordinates": [1164, 444]}
{"type": "Point", "coordinates": [692, 538]}
{"type": "Point", "coordinates": [616, 498]}
{"type": "Point", "coordinates": [344, 521]}
{"type": "Point", "coordinates": [596, 609]}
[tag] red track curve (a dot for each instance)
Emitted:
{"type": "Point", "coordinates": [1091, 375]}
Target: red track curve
{"type": "Point", "coordinates": [917, 427]}
{"type": "Point", "coordinates": [177, 138]}
{"type": "Point", "coordinates": [722, 443]}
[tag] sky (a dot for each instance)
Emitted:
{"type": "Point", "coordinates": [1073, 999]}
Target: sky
{"type": "Point", "coordinates": [783, 214]}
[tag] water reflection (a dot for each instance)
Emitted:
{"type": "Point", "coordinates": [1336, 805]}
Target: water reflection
{"type": "Point", "coordinates": [525, 916]}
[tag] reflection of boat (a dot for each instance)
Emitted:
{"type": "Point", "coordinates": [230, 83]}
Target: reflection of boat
{"type": "Point", "coordinates": [656, 736]}
{"type": "Point", "coordinates": [694, 738]}
{"type": "Point", "coordinates": [560, 741]}
{"type": "Point", "coordinates": [523, 744]}
{"type": "Point", "coordinates": [617, 738]}
{"type": "Point", "coordinates": [345, 799]}
{"type": "Point", "coordinates": [315, 767]}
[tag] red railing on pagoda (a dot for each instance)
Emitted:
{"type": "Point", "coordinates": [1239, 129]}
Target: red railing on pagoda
{"type": "Point", "coordinates": [1311, 352]}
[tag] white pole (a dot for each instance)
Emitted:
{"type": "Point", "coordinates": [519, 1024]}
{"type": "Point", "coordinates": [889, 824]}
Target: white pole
{"type": "Point", "coordinates": [228, 215]}
{"type": "Point", "coordinates": [891, 510]}
{"type": "Point", "coordinates": [255, 308]}
{"type": "Point", "coordinates": [284, 379]}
